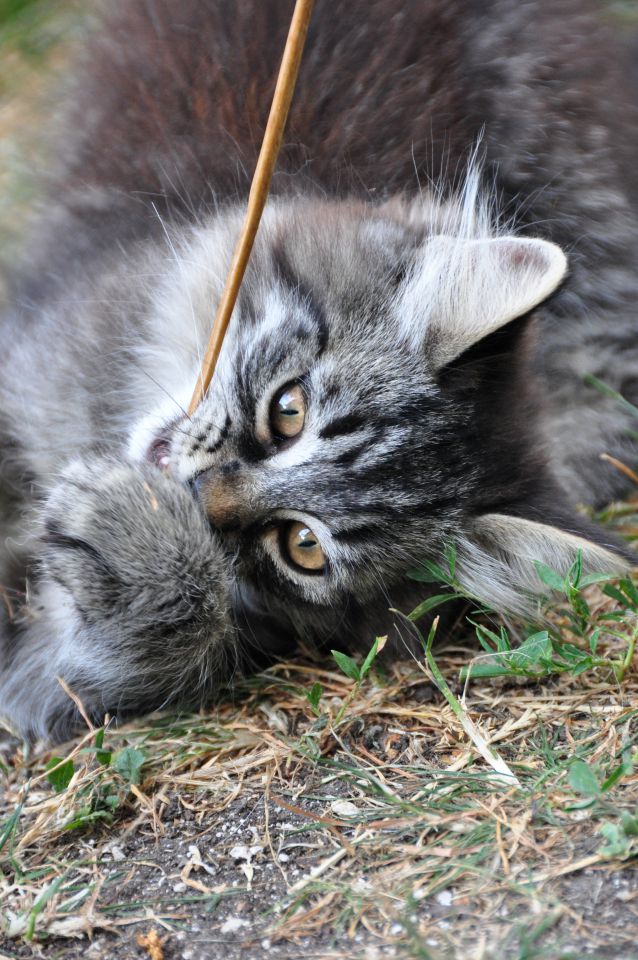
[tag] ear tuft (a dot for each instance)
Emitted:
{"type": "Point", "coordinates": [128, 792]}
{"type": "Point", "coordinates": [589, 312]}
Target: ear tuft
{"type": "Point", "coordinates": [462, 290]}
{"type": "Point", "coordinates": [496, 559]}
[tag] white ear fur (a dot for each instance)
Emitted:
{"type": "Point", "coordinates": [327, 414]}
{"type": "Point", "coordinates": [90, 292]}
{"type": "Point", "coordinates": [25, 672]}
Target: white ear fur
{"type": "Point", "coordinates": [462, 290]}
{"type": "Point", "coordinates": [496, 559]}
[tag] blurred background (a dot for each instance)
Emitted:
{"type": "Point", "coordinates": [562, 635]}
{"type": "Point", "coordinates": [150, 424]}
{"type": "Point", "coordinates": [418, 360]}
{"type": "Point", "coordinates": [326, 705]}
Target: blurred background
{"type": "Point", "coordinates": [37, 38]}
{"type": "Point", "coordinates": [36, 43]}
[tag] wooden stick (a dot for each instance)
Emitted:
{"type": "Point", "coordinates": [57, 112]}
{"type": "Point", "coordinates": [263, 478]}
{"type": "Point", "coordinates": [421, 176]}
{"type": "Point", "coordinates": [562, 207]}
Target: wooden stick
{"type": "Point", "coordinates": [620, 466]}
{"type": "Point", "coordinates": [258, 191]}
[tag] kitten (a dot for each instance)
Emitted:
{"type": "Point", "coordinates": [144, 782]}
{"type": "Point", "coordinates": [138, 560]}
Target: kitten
{"type": "Point", "coordinates": [404, 369]}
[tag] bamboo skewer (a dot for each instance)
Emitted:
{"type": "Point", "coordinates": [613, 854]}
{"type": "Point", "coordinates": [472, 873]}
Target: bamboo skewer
{"type": "Point", "coordinates": [258, 195]}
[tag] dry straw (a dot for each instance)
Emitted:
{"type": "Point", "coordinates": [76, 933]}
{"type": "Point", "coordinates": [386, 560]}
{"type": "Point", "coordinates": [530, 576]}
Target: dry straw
{"type": "Point", "coordinates": [258, 191]}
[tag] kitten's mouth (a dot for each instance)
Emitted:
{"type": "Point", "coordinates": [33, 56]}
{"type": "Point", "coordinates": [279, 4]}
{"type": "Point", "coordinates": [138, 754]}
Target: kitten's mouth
{"type": "Point", "coordinates": [159, 450]}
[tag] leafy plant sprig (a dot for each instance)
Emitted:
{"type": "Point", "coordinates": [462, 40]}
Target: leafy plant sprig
{"type": "Point", "coordinates": [547, 651]}
{"type": "Point", "coordinates": [354, 672]}
{"type": "Point", "coordinates": [98, 798]}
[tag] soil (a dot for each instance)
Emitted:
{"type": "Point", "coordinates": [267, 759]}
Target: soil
{"type": "Point", "coordinates": [255, 862]}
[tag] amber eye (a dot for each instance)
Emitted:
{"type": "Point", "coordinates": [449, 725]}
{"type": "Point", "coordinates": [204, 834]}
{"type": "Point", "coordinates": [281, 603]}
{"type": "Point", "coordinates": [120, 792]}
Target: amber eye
{"type": "Point", "coordinates": [288, 411]}
{"type": "Point", "coordinates": [302, 548]}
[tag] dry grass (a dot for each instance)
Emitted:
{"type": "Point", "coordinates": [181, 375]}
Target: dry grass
{"type": "Point", "coordinates": [400, 832]}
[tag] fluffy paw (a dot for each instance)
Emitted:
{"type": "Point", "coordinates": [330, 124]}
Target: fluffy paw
{"type": "Point", "coordinates": [147, 582]}
{"type": "Point", "coordinates": [132, 546]}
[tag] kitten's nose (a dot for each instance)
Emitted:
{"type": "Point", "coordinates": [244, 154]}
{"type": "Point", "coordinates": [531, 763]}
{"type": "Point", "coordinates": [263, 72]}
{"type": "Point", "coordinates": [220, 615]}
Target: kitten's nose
{"type": "Point", "coordinates": [222, 493]}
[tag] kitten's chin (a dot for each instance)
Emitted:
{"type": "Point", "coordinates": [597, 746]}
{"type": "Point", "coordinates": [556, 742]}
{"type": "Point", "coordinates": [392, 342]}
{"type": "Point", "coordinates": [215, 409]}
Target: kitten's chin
{"type": "Point", "coordinates": [264, 636]}
{"type": "Point", "coordinates": [245, 600]}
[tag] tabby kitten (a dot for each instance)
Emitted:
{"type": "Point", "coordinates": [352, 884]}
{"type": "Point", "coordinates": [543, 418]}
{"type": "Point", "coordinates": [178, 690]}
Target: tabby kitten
{"type": "Point", "coordinates": [405, 366]}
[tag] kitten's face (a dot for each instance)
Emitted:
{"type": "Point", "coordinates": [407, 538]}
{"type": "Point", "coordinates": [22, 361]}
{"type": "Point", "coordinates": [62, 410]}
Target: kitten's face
{"type": "Point", "coordinates": [315, 452]}
{"type": "Point", "coordinates": [339, 443]}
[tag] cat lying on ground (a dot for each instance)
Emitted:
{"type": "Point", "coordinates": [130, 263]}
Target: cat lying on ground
{"type": "Point", "coordinates": [406, 364]}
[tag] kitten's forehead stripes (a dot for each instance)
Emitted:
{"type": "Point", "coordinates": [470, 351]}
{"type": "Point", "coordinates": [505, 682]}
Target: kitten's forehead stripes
{"type": "Point", "coordinates": [341, 426]}
{"type": "Point", "coordinates": [303, 336]}
{"type": "Point", "coordinates": [289, 278]}
{"type": "Point", "coordinates": [352, 536]}
{"type": "Point", "coordinates": [290, 281]}
{"type": "Point", "coordinates": [350, 456]}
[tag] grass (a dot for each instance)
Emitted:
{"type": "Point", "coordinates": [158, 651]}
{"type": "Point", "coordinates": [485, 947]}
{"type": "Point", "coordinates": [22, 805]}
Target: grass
{"type": "Point", "coordinates": [444, 788]}
{"type": "Point", "coordinates": [36, 40]}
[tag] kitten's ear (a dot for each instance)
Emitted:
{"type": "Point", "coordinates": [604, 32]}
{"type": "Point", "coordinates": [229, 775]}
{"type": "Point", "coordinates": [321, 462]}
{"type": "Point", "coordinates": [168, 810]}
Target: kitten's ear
{"type": "Point", "coordinates": [459, 291]}
{"type": "Point", "coordinates": [496, 558]}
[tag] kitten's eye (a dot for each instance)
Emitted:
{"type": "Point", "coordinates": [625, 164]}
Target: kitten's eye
{"type": "Point", "coordinates": [302, 548]}
{"type": "Point", "coordinates": [288, 411]}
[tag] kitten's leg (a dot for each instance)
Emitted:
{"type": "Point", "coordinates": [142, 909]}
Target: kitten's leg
{"type": "Point", "coordinates": [130, 604]}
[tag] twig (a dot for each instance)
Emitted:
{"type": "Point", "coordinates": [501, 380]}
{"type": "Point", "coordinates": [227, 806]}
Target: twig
{"type": "Point", "coordinates": [259, 188]}
{"type": "Point", "coordinates": [619, 465]}
{"type": "Point", "coordinates": [76, 700]}
{"type": "Point", "coordinates": [501, 769]}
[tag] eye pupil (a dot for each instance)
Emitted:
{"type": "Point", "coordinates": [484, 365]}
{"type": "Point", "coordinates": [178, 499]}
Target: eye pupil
{"type": "Point", "coordinates": [303, 549]}
{"type": "Point", "coordinates": [306, 539]}
{"type": "Point", "coordinates": [288, 412]}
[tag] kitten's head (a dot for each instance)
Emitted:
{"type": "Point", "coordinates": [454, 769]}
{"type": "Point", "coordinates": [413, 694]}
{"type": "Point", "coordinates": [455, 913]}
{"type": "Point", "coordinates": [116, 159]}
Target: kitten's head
{"type": "Point", "coordinates": [371, 405]}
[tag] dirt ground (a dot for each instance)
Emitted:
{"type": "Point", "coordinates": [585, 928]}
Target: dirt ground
{"type": "Point", "coordinates": [594, 915]}
{"type": "Point", "coordinates": [262, 830]}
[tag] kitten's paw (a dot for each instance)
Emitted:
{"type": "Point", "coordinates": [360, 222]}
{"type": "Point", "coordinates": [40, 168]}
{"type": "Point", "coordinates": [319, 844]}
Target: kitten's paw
{"type": "Point", "coordinates": [131, 606]}
{"type": "Point", "coordinates": [133, 550]}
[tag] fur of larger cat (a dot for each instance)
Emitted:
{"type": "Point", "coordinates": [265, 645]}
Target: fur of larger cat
{"type": "Point", "coordinates": [441, 405]}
